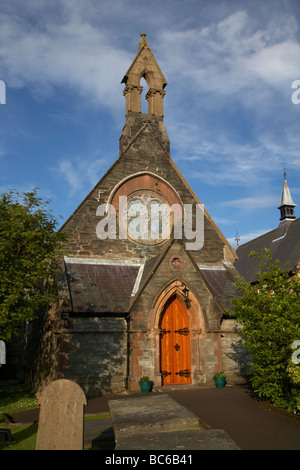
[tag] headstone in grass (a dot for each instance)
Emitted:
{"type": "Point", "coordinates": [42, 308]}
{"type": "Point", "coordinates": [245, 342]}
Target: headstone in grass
{"type": "Point", "coordinates": [61, 417]}
{"type": "Point", "coordinates": [5, 435]}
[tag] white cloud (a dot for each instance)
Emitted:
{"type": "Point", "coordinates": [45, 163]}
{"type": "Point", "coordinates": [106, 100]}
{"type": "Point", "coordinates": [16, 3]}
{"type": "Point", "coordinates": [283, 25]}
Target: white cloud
{"type": "Point", "coordinates": [228, 69]}
{"type": "Point", "coordinates": [244, 238]}
{"type": "Point", "coordinates": [74, 54]}
{"type": "Point", "coordinates": [67, 171]}
{"type": "Point", "coordinates": [276, 64]}
{"type": "Point", "coordinates": [261, 201]}
{"type": "Point", "coordinates": [221, 161]}
{"type": "Point", "coordinates": [77, 50]}
{"type": "Point", "coordinates": [233, 55]}
{"type": "Point", "coordinates": [241, 127]}
{"type": "Point", "coordinates": [80, 173]}
{"type": "Point", "coordinates": [223, 221]}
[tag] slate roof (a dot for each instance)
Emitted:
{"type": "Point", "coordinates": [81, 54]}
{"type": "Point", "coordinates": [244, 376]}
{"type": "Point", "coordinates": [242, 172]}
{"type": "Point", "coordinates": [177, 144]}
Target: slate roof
{"type": "Point", "coordinates": [109, 287]}
{"type": "Point", "coordinates": [221, 282]}
{"type": "Point", "coordinates": [97, 287]}
{"type": "Point", "coordinates": [284, 243]}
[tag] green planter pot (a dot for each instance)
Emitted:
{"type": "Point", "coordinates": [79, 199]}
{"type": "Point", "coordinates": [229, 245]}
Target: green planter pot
{"type": "Point", "coordinates": [220, 381]}
{"type": "Point", "coordinates": [146, 387]}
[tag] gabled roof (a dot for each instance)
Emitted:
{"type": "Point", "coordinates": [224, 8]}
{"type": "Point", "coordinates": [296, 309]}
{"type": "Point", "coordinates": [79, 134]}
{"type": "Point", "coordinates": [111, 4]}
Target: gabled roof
{"type": "Point", "coordinates": [284, 243]}
{"type": "Point", "coordinates": [99, 287]}
{"type": "Point", "coordinates": [219, 279]}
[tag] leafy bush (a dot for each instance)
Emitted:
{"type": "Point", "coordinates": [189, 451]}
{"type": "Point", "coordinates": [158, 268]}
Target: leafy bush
{"type": "Point", "coordinates": [29, 250]}
{"type": "Point", "coordinates": [293, 371]}
{"type": "Point", "coordinates": [269, 312]}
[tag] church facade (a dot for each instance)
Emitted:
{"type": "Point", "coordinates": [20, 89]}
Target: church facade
{"type": "Point", "coordinates": [147, 274]}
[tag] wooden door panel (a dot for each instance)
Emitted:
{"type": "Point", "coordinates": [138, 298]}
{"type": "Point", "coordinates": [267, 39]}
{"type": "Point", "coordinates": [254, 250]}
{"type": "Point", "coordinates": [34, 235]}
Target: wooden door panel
{"type": "Point", "coordinates": [175, 345]}
{"type": "Point", "coordinates": [166, 345]}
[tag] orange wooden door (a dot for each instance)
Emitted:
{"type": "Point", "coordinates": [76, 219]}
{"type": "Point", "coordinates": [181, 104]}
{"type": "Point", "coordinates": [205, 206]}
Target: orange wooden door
{"type": "Point", "coordinates": [175, 346]}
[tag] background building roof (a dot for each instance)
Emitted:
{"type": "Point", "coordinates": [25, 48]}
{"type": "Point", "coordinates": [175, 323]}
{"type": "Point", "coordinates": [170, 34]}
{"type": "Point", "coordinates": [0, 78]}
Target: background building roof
{"type": "Point", "coordinates": [284, 243]}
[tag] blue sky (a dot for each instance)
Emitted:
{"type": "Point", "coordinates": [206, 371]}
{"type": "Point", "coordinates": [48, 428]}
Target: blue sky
{"type": "Point", "coordinates": [228, 111]}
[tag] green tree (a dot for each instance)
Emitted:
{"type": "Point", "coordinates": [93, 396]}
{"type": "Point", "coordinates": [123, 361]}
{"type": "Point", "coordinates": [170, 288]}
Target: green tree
{"type": "Point", "coordinates": [29, 250]}
{"type": "Point", "coordinates": [269, 312]}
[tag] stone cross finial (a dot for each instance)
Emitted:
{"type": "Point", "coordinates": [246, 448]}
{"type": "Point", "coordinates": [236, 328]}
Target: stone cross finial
{"type": "Point", "coordinates": [143, 40]}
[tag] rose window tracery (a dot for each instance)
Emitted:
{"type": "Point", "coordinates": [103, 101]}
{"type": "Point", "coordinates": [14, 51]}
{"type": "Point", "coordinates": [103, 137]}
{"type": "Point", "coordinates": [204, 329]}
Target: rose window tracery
{"type": "Point", "coordinates": [146, 218]}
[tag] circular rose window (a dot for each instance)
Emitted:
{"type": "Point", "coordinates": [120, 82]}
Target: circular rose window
{"type": "Point", "coordinates": [145, 218]}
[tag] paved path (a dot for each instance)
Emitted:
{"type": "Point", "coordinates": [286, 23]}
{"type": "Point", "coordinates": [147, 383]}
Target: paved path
{"type": "Point", "coordinates": [250, 423]}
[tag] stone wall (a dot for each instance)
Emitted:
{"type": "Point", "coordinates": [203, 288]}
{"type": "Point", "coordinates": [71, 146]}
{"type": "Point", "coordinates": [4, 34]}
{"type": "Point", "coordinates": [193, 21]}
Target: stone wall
{"type": "Point", "coordinates": [234, 355]}
{"type": "Point", "coordinates": [93, 353]}
{"type": "Point", "coordinates": [144, 148]}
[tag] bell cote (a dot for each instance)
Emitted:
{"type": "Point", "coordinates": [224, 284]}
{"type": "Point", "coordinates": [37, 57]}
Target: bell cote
{"type": "Point", "coordinates": [286, 205]}
{"type": "Point", "coordinates": [144, 66]}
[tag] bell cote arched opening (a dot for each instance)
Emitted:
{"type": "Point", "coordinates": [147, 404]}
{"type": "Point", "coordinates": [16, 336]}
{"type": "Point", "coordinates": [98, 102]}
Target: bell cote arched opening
{"type": "Point", "coordinates": [144, 66]}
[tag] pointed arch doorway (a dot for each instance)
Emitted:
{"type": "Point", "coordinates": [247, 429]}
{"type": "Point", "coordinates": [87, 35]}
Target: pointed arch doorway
{"type": "Point", "coordinates": [175, 347]}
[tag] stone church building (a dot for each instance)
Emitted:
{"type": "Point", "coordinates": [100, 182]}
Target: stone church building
{"type": "Point", "coordinates": [139, 299]}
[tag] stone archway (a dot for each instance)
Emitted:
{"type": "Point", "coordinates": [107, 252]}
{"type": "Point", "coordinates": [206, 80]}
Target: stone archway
{"type": "Point", "coordinates": [197, 324]}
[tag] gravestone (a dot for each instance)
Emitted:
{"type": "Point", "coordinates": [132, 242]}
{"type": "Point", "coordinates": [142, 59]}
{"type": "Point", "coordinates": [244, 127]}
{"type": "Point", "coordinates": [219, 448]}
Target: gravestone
{"type": "Point", "coordinates": [158, 422]}
{"type": "Point", "coordinates": [156, 414]}
{"type": "Point", "coordinates": [5, 435]}
{"type": "Point", "coordinates": [61, 417]}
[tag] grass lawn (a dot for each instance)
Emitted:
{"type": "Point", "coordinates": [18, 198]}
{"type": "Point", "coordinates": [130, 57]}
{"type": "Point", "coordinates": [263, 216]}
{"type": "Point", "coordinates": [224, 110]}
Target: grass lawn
{"type": "Point", "coordinates": [14, 397]}
{"type": "Point", "coordinates": [24, 437]}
